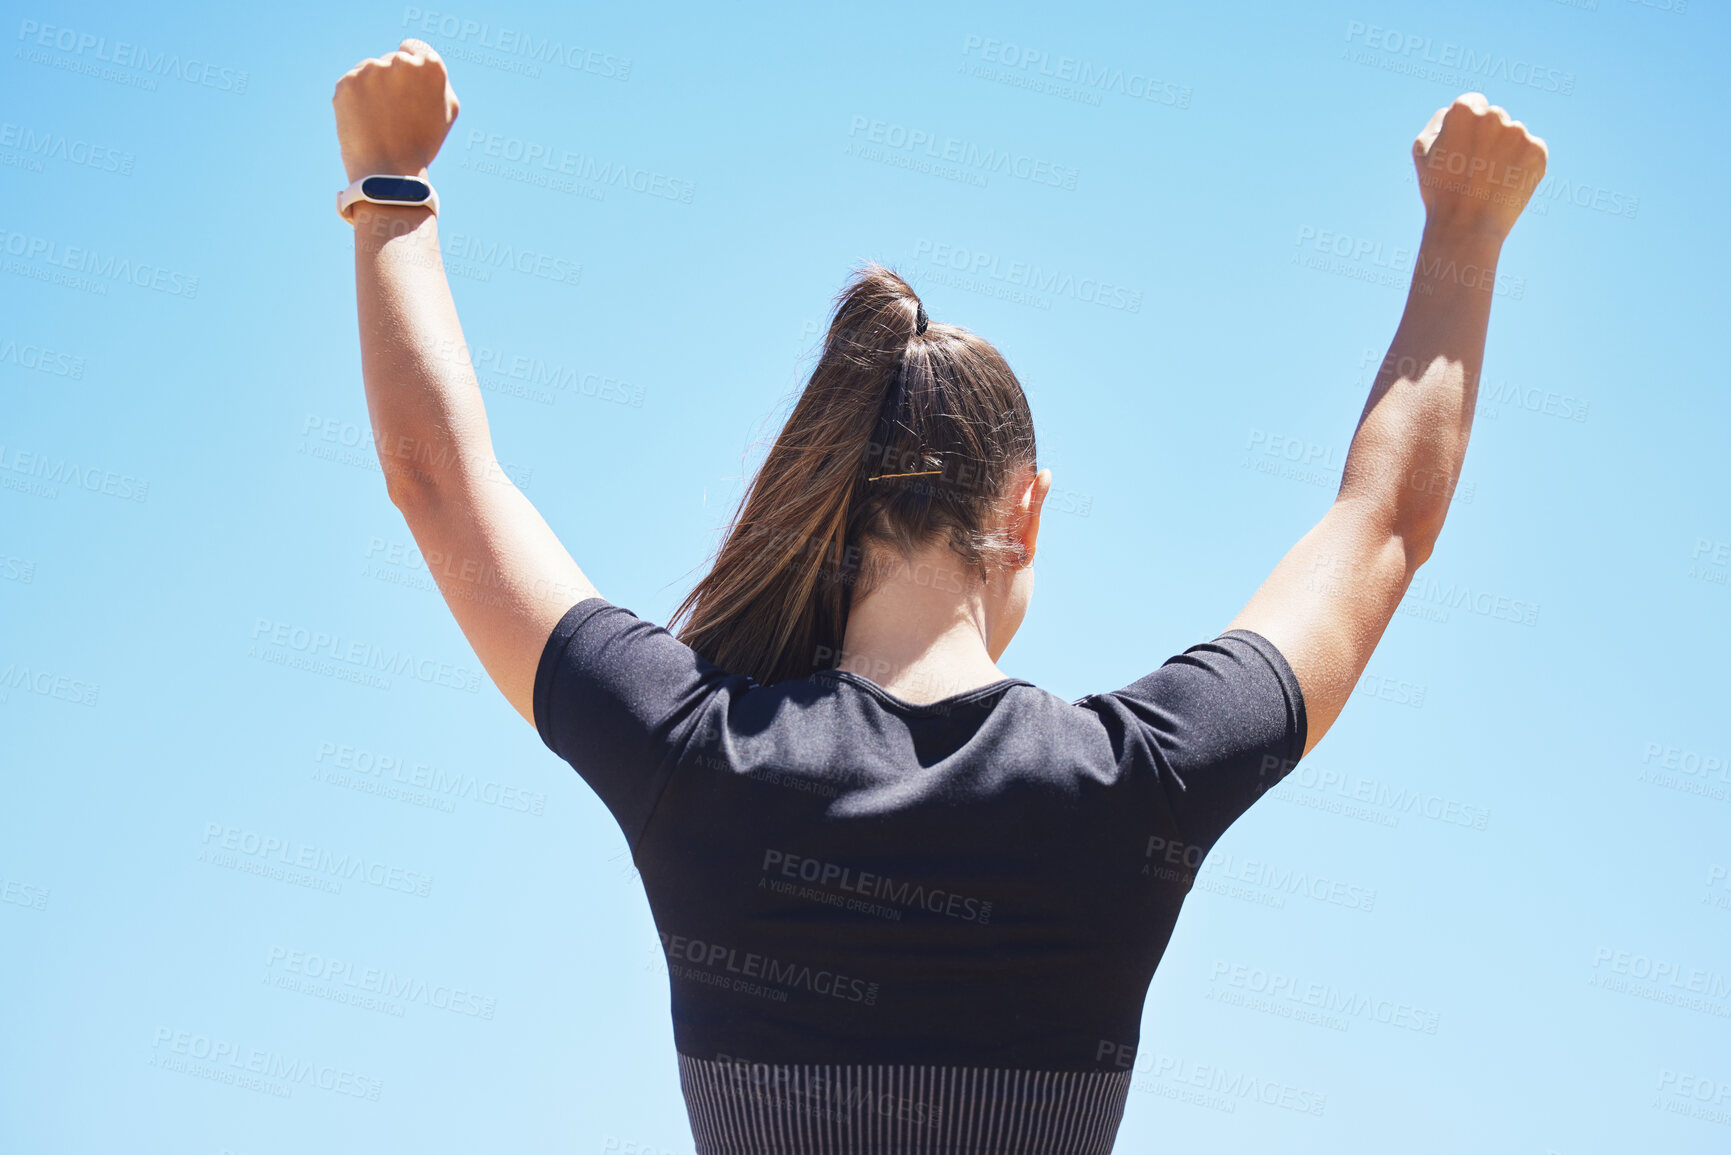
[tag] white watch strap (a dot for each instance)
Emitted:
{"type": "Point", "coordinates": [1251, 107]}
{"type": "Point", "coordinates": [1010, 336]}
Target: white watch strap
{"type": "Point", "coordinates": [356, 192]}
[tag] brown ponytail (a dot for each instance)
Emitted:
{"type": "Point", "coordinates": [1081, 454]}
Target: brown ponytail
{"type": "Point", "coordinates": [899, 437]}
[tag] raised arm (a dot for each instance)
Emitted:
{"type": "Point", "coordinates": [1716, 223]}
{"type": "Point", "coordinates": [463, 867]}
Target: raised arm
{"type": "Point", "coordinates": [500, 568]}
{"type": "Point", "coordinates": [1326, 604]}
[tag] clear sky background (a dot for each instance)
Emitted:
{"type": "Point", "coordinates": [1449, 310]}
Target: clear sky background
{"type": "Point", "coordinates": [1508, 862]}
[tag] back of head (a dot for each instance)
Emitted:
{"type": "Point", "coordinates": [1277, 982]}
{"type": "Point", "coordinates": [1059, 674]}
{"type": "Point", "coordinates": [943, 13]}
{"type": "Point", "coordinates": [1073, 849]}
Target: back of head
{"type": "Point", "coordinates": [907, 433]}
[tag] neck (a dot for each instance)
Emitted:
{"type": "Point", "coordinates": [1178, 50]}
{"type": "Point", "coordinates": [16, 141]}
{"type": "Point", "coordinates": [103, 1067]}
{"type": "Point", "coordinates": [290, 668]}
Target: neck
{"type": "Point", "coordinates": [924, 633]}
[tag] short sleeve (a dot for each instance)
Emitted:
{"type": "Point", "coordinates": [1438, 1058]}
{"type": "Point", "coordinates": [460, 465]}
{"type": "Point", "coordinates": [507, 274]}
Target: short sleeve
{"type": "Point", "coordinates": [617, 698]}
{"type": "Point", "coordinates": [1222, 723]}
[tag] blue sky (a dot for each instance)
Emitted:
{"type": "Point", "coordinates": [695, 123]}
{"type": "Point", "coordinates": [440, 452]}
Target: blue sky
{"type": "Point", "coordinates": [1510, 854]}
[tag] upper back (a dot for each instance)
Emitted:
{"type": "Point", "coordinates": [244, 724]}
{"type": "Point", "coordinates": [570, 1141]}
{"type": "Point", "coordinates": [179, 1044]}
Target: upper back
{"type": "Point", "coordinates": [979, 880]}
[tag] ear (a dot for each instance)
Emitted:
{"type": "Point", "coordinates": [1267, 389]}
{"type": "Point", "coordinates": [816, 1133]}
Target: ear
{"type": "Point", "coordinates": [1028, 509]}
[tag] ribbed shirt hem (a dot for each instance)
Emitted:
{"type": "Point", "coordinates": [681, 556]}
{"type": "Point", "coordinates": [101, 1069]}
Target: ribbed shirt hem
{"type": "Point", "coordinates": [819, 1109]}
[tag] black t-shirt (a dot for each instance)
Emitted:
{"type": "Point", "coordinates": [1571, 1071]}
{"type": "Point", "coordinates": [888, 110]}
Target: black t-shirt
{"type": "Point", "coordinates": [839, 876]}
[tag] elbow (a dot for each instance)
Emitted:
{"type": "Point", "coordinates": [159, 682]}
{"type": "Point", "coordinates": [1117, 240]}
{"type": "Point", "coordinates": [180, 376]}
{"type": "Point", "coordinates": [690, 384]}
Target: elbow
{"type": "Point", "coordinates": [1414, 525]}
{"type": "Point", "coordinates": [409, 490]}
{"type": "Point", "coordinates": [1415, 522]}
{"type": "Point", "coordinates": [1413, 528]}
{"type": "Point", "coordinates": [1418, 547]}
{"type": "Point", "coordinates": [1418, 531]}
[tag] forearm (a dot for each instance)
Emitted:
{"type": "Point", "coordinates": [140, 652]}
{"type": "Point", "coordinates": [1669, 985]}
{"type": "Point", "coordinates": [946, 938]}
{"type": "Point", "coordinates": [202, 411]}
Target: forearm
{"type": "Point", "coordinates": [1406, 455]}
{"type": "Point", "coordinates": [429, 424]}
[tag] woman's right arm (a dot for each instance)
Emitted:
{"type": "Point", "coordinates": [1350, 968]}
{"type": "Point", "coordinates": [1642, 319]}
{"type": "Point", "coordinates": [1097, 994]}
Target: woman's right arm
{"type": "Point", "coordinates": [1327, 603]}
{"type": "Point", "coordinates": [501, 569]}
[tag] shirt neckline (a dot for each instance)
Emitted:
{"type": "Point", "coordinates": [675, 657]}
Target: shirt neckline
{"type": "Point", "coordinates": [942, 705]}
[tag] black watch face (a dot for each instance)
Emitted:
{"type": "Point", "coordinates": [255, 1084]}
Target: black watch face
{"type": "Point", "coordinates": [395, 188]}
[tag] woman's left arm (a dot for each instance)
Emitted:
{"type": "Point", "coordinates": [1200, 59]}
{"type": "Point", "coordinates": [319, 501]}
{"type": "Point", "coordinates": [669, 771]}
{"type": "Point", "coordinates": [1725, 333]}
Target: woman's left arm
{"type": "Point", "coordinates": [501, 569]}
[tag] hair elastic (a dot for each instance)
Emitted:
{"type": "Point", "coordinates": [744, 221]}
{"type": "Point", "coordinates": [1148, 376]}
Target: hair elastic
{"type": "Point", "coordinates": [920, 318]}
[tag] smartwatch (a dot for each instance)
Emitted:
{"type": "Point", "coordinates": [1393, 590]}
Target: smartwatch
{"type": "Point", "coordinates": [383, 189]}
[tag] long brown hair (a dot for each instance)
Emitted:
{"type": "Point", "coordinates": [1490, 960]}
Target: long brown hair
{"type": "Point", "coordinates": [905, 432]}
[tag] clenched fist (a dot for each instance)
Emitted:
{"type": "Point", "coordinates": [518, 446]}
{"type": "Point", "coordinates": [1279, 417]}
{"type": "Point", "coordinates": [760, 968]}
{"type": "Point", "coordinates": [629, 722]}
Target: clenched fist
{"type": "Point", "coordinates": [393, 112]}
{"type": "Point", "coordinates": [1476, 168]}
